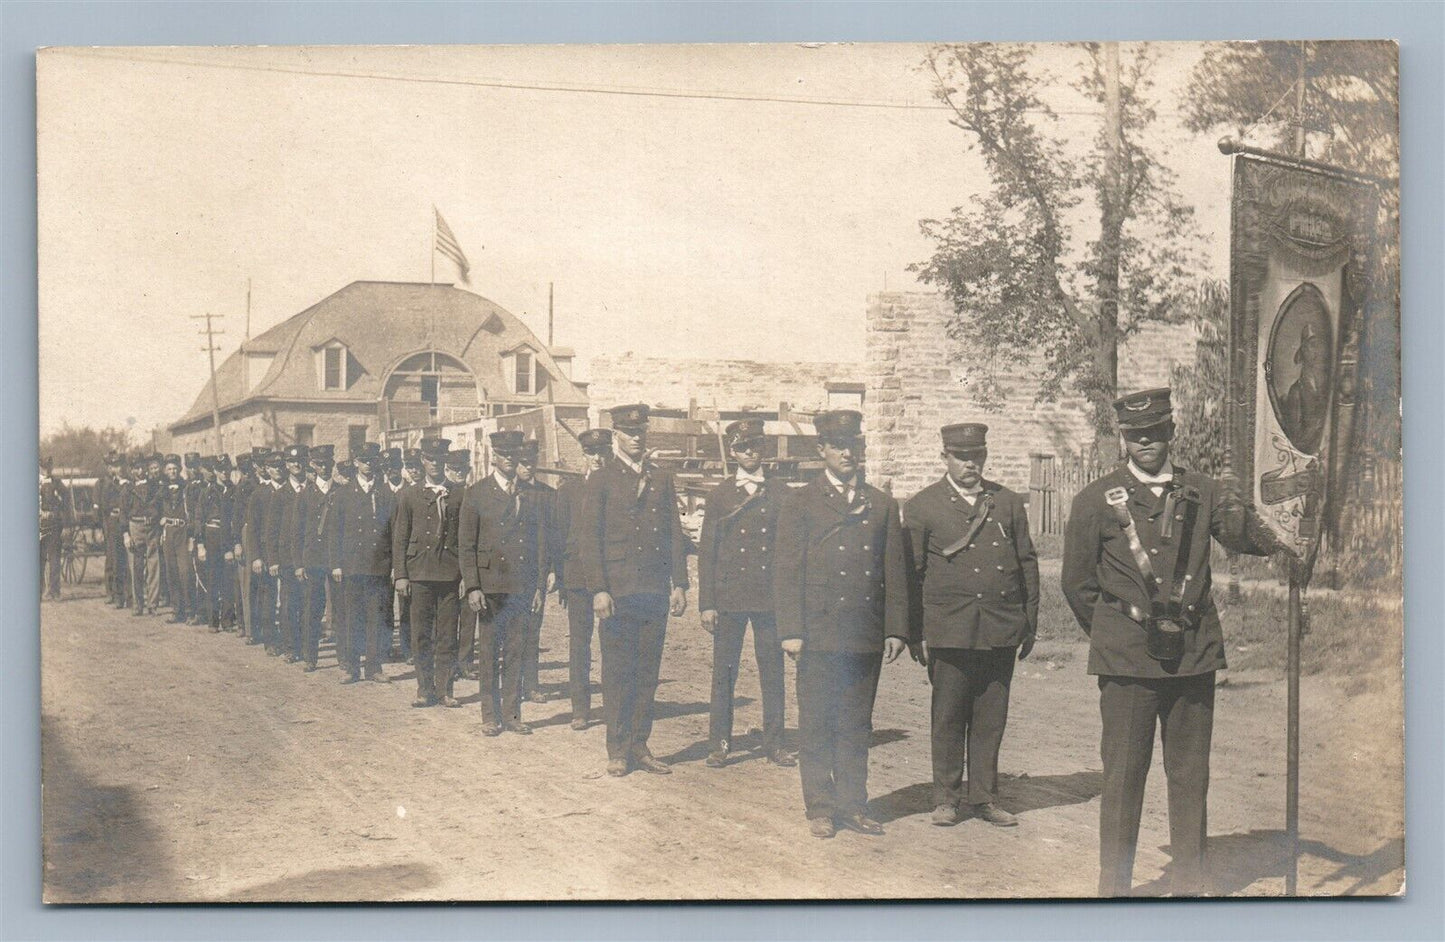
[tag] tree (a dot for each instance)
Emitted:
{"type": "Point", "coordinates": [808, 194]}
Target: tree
{"type": "Point", "coordinates": [83, 448]}
{"type": "Point", "coordinates": [1350, 117]}
{"type": "Point", "coordinates": [1029, 271]}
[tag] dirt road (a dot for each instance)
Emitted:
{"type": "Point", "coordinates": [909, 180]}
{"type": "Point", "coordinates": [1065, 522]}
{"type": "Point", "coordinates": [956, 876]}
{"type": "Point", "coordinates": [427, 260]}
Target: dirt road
{"type": "Point", "coordinates": [184, 765]}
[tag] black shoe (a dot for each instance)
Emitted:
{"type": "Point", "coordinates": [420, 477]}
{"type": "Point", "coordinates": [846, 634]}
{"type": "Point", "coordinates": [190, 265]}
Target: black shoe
{"type": "Point", "coordinates": [945, 815]}
{"type": "Point", "coordinates": [378, 678]}
{"type": "Point", "coordinates": [351, 679]}
{"type": "Point", "coordinates": [423, 702]}
{"type": "Point", "coordinates": [781, 757]}
{"type": "Point", "coordinates": [821, 827]}
{"type": "Point", "coordinates": [449, 701]}
{"type": "Point", "coordinates": [617, 767]}
{"type": "Point", "coordinates": [579, 723]}
{"type": "Point", "coordinates": [860, 823]}
{"type": "Point", "coordinates": [717, 758]}
{"type": "Point", "coordinates": [491, 728]}
{"type": "Point", "coordinates": [310, 667]}
{"type": "Point", "coordinates": [518, 727]}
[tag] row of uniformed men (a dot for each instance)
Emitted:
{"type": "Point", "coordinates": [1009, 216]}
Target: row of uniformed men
{"type": "Point", "coordinates": [833, 574]}
{"type": "Point", "coordinates": [839, 577]}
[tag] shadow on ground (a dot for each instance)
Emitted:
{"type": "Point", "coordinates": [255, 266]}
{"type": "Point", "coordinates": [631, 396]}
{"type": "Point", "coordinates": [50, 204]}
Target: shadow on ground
{"type": "Point", "coordinates": [343, 884]}
{"type": "Point", "coordinates": [1018, 794]}
{"type": "Point", "coordinates": [1238, 861]}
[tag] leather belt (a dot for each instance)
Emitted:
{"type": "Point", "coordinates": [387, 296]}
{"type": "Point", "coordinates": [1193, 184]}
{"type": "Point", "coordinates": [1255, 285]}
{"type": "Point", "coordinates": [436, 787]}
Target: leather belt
{"type": "Point", "coordinates": [1135, 613]}
{"type": "Point", "coordinates": [173, 521]}
{"type": "Point", "coordinates": [140, 519]}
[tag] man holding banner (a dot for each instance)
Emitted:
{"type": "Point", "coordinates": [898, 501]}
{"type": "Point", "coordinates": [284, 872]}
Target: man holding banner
{"type": "Point", "coordinates": [1136, 574]}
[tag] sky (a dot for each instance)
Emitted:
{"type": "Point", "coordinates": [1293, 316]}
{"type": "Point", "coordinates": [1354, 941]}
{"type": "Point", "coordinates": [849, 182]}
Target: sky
{"type": "Point", "coordinates": [675, 213]}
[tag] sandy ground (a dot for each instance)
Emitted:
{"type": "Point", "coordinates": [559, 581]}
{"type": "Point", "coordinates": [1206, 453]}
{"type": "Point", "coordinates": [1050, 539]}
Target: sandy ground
{"type": "Point", "coordinates": [183, 765]}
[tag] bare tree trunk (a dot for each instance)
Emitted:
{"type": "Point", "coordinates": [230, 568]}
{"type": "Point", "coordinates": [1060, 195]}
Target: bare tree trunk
{"type": "Point", "coordinates": [1112, 212]}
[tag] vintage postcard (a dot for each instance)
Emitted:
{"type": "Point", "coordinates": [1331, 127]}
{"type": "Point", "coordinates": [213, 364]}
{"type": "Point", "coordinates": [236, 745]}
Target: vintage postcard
{"type": "Point", "coordinates": [725, 472]}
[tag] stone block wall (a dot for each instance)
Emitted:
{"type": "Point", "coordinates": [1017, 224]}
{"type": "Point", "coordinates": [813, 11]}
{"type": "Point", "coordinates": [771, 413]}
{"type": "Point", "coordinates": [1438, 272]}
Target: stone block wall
{"type": "Point", "coordinates": [919, 379]}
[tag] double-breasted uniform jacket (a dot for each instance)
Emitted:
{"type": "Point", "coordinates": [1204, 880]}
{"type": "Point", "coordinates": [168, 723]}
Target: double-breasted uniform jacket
{"type": "Point", "coordinates": [194, 493]}
{"type": "Point", "coordinates": [841, 573]}
{"type": "Point", "coordinates": [631, 540]}
{"type": "Point", "coordinates": [503, 538]}
{"type": "Point", "coordinates": [142, 502]}
{"type": "Point", "coordinates": [313, 525]}
{"type": "Point", "coordinates": [282, 529]}
{"type": "Point", "coordinates": [54, 508]}
{"type": "Point", "coordinates": [255, 536]}
{"type": "Point", "coordinates": [975, 566]}
{"type": "Point", "coordinates": [564, 548]}
{"type": "Point", "coordinates": [173, 502]}
{"type": "Point", "coordinates": [735, 549]}
{"type": "Point", "coordinates": [108, 499]}
{"type": "Point", "coordinates": [215, 521]}
{"type": "Point", "coordinates": [424, 534]}
{"type": "Point", "coordinates": [1103, 583]}
{"type": "Point", "coordinates": [360, 539]}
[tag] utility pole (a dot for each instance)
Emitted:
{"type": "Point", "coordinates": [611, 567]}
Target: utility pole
{"type": "Point", "coordinates": [210, 348]}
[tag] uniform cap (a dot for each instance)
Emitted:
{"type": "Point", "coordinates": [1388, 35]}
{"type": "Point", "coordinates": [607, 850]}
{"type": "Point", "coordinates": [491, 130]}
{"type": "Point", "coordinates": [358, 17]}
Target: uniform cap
{"type": "Point", "coordinates": [436, 448]}
{"type": "Point", "coordinates": [596, 439]}
{"type": "Point", "coordinates": [221, 463]}
{"type": "Point", "coordinates": [1143, 409]}
{"type": "Point", "coordinates": [112, 457]}
{"type": "Point", "coordinates": [531, 448]}
{"type": "Point", "coordinates": [412, 458]}
{"type": "Point", "coordinates": [630, 417]}
{"type": "Point", "coordinates": [346, 468]}
{"type": "Point", "coordinates": [742, 431]}
{"type": "Point", "coordinates": [171, 459]}
{"type": "Point", "coordinates": [369, 451]}
{"type": "Point", "coordinates": [193, 459]}
{"type": "Point", "coordinates": [393, 457]}
{"type": "Point", "coordinates": [459, 458]}
{"type": "Point", "coordinates": [506, 441]}
{"type": "Point", "coordinates": [964, 436]}
{"type": "Point", "coordinates": [156, 457]}
{"type": "Point", "coordinates": [322, 453]}
{"type": "Point", "coordinates": [259, 452]}
{"type": "Point", "coordinates": [244, 460]}
{"type": "Point", "coordinates": [295, 452]}
{"type": "Point", "coordinates": [840, 426]}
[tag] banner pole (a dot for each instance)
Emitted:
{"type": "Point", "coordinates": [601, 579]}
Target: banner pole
{"type": "Point", "coordinates": [1291, 794]}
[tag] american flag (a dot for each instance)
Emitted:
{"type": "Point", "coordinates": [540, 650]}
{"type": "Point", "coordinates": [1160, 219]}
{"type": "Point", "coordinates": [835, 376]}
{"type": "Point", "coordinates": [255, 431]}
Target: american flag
{"type": "Point", "coordinates": [447, 244]}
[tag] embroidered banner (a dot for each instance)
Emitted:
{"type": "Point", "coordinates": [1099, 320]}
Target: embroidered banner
{"type": "Point", "coordinates": [1302, 237]}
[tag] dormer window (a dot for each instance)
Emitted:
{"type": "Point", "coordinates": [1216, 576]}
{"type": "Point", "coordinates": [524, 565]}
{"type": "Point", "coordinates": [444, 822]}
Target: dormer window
{"type": "Point", "coordinates": [524, 369]}
{"type": "Point", "coordinates": [334, 366]}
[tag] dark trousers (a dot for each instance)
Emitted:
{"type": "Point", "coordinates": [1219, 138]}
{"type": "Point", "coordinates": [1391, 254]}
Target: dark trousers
{"type": "Point", "coordinates": [501, 633]}
{"type": "Point", "coordinates": [434, 635]}
{"type": "Point", "coordinates": [970, 708]}
{"type": "Point", "coordinates": [532, 648]}
{"type": "Point", "coordinates": [631, 661]}
{"type": "Point", "coordinates": [403, 620]}
{"type": "Point", "coordinates": [727, 649]}
{"type": "Point", "coordinates": [119, 560]}
{"type": "Point", "coordinates": [50, 562]}
{"type": "Point", "coordinates": [835, 722]}
{"type": "Point", "coordinates": [466, 637]}
{"type": "Point", "coordinates": [313, 611]}
{"type": "Point", "coordinates": [580, 623]}
{"type": "Point", "coordinates": [291, 611]}
{"type": "Point", "coordinates": [366, 601]}
{"type": "Point", "coordinates": [1183, 708]}
{"type": "Point", "coordinates": [263, 610]}
{"type": "Point", "coordinates": [220, 585]}
{"type": "Point", "coordinates": [179, 575]}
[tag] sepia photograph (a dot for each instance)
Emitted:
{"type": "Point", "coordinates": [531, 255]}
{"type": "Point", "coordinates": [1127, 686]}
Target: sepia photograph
{"type": "Point", "coordinates": [729, 472]}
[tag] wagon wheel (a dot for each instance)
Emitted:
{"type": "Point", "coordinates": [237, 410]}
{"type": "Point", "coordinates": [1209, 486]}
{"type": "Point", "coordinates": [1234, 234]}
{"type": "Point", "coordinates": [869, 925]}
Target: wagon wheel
{"type": "Point", "coordinates": [72, 557]}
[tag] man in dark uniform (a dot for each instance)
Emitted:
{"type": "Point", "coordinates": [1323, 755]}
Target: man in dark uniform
{"type": "Point", "coordinates": [545, 497]}
{"type": "Point", "coordinates": [54, 517]}
{"type": "Point", "coordinates": [217, 541]}
{"type": "Point", "coordinates": [978, 580]}
{"type": "Point", "coordinates": [311, 557]}
{"type": "Point", "coordinates": [196, 477]}
{"type": "Point", "coordinates": [841, 598]}
{"type": "Point", "coordinates": [107, 506]}
{"type": "Point", "coordinates": [735, 587]}
{"type": "Point", "coordinates": [396, 480]}
{"type": "Point", "coordinates": [283, 533]}
{"type": "Point", "coordinates": [241, 496]}
{"type": "Point", "coordinates": [176, 542]}
{"type": "Point", "coordinates": [424, 560]}
{"type": "Point", "coordinates": [1136, 574]}
{"type": "Point", "coordinates": [634, 550]}
{"type": "Point", "coordinates": [458, 470]}
{"type": "Point", "coordinates": [573, 587]}
{"type": "Point", "coordinates": [503, 557]}
{"type": "Point", "coordinates": [258, 548]}
{"type": "Point", "coordinates": [142, 536]}
{"type": "Point", "coordinates": [360, 548]}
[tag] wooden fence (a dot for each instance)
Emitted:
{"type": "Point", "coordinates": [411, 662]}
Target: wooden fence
{"type": "Point", "coordinates": [1053, 482]}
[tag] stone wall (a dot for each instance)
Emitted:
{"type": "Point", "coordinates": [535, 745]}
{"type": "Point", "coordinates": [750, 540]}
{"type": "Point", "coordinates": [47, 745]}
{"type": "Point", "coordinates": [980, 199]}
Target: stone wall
{"type": "Point", "coordinates": [919, 379]}
{"type": "Point", "coordinates": [728, 385]}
